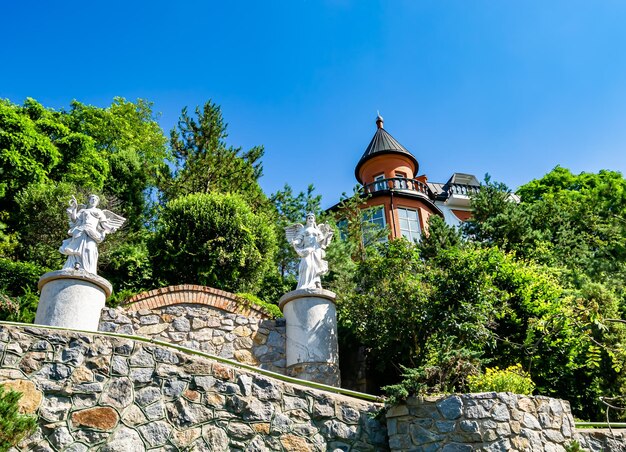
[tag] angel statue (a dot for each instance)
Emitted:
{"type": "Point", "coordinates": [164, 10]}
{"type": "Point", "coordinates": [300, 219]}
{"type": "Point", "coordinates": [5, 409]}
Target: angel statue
{"type": "Point", "coordinates": [88, 227]}
{"type": "Point", "coordinates": [310, 241]}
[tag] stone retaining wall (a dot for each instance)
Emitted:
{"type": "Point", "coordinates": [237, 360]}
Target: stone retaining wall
{"type": "Point", "coordinates": [488, 421]}
{"type": "Point", "coordinates": [248, 339]}
{"type": "Point", "coordinates": [109, 394]}
{"type": "Point", "coordinates": [94, 392]}
{"type": "Point", "coordinates": [601, 440]}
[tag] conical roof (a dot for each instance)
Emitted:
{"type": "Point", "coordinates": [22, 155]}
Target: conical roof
{"type": "Point", "coordinates": [383, 143]}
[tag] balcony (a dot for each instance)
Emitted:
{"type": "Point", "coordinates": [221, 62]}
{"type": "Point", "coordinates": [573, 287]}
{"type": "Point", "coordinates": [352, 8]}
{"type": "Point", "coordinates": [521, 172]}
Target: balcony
{"type": "Point", "coordinates": [460, 195]}
{"type": "Point", "coordinates": [398, 184]}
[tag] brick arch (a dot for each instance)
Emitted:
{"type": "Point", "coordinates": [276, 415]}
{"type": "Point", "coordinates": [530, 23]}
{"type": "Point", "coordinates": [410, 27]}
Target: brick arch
{"type": "Point", "coordinates": [193, 294]}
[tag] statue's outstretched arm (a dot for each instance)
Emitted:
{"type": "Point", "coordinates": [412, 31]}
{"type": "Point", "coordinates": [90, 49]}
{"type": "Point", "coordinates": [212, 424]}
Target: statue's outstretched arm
{"type": "Point", "coordinates": [72, 210]}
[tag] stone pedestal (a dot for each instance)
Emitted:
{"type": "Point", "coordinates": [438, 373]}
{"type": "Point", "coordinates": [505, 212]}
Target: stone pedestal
{"type": "Point", "coordinates": [312, 349]}
{"type": "Point", "coordinates": [72, 299]}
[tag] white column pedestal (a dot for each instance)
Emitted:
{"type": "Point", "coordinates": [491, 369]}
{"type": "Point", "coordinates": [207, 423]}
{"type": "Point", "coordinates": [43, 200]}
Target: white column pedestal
{"type": "Point", "coordinates": [72, 299]}
{"type": "Point", "coordinates": [311, 349]}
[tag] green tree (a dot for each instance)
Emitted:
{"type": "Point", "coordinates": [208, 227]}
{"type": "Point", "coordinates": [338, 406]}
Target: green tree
{"type": "Point", "coordinates": [26, 154]}
{"type": "Point", "coordinates": [42, 222]}
{"type": "Point", "coordinates": [439, 237]}
{"type": "Point", "coordinates": [564, 220]}
{"type": "Point", "coordinates": [128, 136]}
{"type": "Point", "coordinates": [571, 227]}
{"type": "Point", "coordinates": [117, 152]}
{"type": "Point", "coordinates": [212, 239]}
{"type": "Point", "coordinates": [205, 164]}
{"type": "Point", "coordinates": [291, 209]}
{"type": "Point", "coordinates": [403, 309]}
{"type": "Point", "coordinates": [497, 219]}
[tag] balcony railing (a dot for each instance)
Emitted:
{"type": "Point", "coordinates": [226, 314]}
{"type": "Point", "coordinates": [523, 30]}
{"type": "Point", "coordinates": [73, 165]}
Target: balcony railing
{"type": "Point", "coordinates": [467, 190]}
{"type": "Point", "coordinates": [397, 184]}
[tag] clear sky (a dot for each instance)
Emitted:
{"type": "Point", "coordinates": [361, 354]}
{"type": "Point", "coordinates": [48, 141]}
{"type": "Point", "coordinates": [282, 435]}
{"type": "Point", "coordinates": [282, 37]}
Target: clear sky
{"type": "Point", "coordinates": [510, 88]}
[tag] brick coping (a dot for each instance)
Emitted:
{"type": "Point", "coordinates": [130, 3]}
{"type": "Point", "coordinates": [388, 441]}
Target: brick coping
{"type": "Point", "coordinates": [194, 294]}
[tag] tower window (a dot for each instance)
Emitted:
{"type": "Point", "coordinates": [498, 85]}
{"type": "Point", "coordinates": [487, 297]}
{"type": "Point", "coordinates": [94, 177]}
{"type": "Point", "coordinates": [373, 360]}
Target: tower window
{"type": "Point", "coordinates": [374, 224]}
{"type": "Point", "coordinates": [409, 224]}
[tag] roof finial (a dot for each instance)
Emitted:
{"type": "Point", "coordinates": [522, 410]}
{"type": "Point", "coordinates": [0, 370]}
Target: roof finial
{"type": "Point", "coordinates": [379, 120]}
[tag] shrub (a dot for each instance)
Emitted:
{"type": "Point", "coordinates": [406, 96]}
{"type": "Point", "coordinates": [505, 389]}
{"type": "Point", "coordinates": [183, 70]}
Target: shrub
{"type": "Point", "coordinates": [512, 379]}
{"type": "Point", "coordinates": [573, 446]}
{"type": "Point", "coordinates": [9, 307]}
{"type": "Point", "coordinates": [18, 277]}
{"type": "Point", "coordinates": [13, 425]}
{"type": "Point", "coordinates": [18, 289]}
{"type": "Point", "coordinates": [269, 307]}
{"type": "Point", "coordinates": [212, 239]}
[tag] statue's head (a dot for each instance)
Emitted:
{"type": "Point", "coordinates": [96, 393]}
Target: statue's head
{"type": "Point", "coordinates": [310, 219]}
{"type": "Point", "coordinates": [93, 200]}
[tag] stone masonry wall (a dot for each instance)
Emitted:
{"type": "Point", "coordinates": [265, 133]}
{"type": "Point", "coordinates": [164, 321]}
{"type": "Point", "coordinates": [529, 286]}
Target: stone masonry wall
{"type": "Point", "coordinates": [94, 392]}
{"type": "Point", "coordinates": [245, 338]}
{"type": "Point", "coordinates": [488, 421]}
{"type": "Point", "coordinates": [601, 439]}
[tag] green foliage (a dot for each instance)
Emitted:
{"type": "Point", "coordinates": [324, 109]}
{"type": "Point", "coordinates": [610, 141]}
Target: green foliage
{"type": "Point", "coordinates": [120, 148]}
{"type": "Point", "coordinates": [118, 152]}
{"type": "Point", "coordinates": [464, 306]}
{"type": "Point", "coordinates": [498, 220]}
{"type": "Point", "coordinates": [129, 268]}
{"type": "Point", "coordinates": [291, 209]}
{"type": "Point", "coordinates": [18, 277]}
{"type": "Point", "coordinates": [445, 371]}
{"type": "Point", "coordinates": [512, 379]}
{"type": "Point", "coordinates": [42, 222]}
{"type": "Point", "coordinates": [18, 288]}
{"type": "Point", "coordinates": [359, 235]}
{"type": "Point", "coordinates": [355, 238]}
{"type": "Point", "coordinates": [205, 164]}
{"type": "Point", "coordinates": [396, 294]}
{"type": "Point", "coordinates": [573, 446]}
{"type": "Point", "coordinates": [413, 383]}
{"type": "Point", "coordinates": [273, 309]}
{"type": "Point", "coordinates": [563, 220]}
{"type": "Point", "coordinates": [440, 237]}
{"type": "Point", "coordinates": [13, 425]}
{"type": "Point", "coordinates": [26, 154]}
{"type": "Point", "coordinates": [274, 285]}
{"type": "Point", "coordinates": [573, 227]}
{"type": "Point", "coordinates": [9, 307]}
{"type": "Point", "coordinates": [8, 240]}
{"type": "Point", "coordinates": [128, 136]}
{"type": "Point", "coordinates": [212, 239]}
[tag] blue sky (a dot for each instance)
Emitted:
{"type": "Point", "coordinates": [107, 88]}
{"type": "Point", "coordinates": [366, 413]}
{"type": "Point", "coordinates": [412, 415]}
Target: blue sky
{"type": "Point", "coordinates": [506, 88]}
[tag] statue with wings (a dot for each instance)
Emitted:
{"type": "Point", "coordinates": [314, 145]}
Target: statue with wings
{"type": "Point", "coordinates": [310, 241]}
{"type": "Point", "coordinates": [88, 227]}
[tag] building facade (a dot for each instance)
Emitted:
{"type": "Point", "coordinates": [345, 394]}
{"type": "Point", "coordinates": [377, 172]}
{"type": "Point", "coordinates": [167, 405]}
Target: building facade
{"type": "Point", "coordinates": [400, 199]}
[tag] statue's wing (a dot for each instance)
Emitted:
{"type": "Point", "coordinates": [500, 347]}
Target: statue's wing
{"type": "Point", "coordinates": [114, 220]}
{"type": "Point", "coordinates": [292, 231]}
{"type": "Point", "coordinates": [327, 234]}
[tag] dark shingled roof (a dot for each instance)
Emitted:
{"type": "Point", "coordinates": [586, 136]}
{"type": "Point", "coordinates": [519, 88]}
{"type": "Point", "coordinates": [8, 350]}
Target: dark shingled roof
{"type": "Point", "coordinates": [383, 143]}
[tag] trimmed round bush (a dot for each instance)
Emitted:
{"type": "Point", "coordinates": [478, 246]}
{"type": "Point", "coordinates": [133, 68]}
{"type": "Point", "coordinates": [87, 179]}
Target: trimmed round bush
{"type": "Point", "coordinates": [212, 239]}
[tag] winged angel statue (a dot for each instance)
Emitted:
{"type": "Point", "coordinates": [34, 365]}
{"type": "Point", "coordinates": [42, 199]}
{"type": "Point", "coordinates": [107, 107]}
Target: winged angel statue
{"type": "Point", "coordinates": [310, 241]}
{"type": "Point", "coordinates": [88, 227]}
